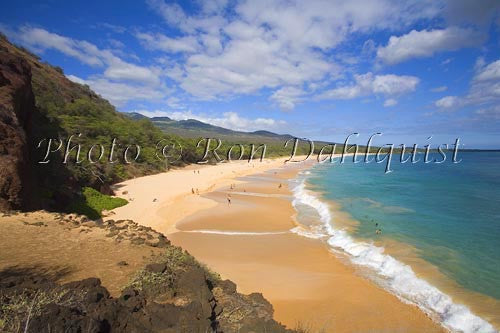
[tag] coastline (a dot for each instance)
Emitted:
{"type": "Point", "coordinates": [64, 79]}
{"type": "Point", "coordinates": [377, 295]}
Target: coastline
{"type": "Point", "coordinates": [159, 201]}
{"type": "Point", "coordinates": [397, 267]}
{"type": "Point", "coordinates": [251, 243]}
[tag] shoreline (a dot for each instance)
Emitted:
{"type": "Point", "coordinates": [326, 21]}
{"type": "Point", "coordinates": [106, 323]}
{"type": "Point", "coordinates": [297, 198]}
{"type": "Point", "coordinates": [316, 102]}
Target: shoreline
{"type": "Point", "coordinates": [242, 251]}
{"type": "Point", "coordinates": [159, 201]}
{"type": "Point", "coordinates": [456, 308]}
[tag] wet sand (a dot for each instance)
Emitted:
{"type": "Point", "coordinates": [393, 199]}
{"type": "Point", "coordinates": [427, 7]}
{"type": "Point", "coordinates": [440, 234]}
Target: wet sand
{"type": "Point", "coordinates": [306, 283]}
{"type": "Point", "coordinates": [160, 201]}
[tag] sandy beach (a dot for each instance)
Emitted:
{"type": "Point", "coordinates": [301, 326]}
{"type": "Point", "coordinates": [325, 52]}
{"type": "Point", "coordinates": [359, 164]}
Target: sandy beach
{"type": "Point", "coordinates": [250, 242]}
{"type": "Point", "coordinates": [160, 201]}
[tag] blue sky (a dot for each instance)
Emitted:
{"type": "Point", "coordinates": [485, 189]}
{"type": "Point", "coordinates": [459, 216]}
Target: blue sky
{"type": "Point", "coordinates": [316, 69]}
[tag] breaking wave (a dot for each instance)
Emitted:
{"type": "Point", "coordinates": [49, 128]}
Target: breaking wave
{"type": "Point", "coordinates": [398, 277]}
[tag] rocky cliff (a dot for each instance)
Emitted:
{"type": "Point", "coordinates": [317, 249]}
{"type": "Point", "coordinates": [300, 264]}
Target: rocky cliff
{"type": "Point", "coordinates": [172, 293]}
{"type": "Point", "coordinates": [17, 104]}
{"type": "Point", "coordinates": [38, 102]}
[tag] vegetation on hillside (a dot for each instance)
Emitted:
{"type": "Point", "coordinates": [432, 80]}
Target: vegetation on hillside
{"type": "Point", "coordinates": [93, 202]}
{"type": "Point", "coordinates": [66, 109]}
{"type": "Point", "coordinates": [81, 130]}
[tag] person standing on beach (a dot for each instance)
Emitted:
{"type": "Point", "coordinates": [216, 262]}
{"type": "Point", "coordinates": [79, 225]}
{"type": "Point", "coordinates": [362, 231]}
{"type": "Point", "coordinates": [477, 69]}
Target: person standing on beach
{"type": "Point", "coordinates": [229, 200]}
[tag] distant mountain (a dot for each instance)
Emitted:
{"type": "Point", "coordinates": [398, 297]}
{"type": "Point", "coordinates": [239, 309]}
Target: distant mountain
{"type": "Point", "coordinates": [192, 128]}
{"type": "Point", "coordinates": [159, 118]}
{"type": "Point", "coordinates": [136, 116]}
{"type": "Point", "coordinates": [271, 134]}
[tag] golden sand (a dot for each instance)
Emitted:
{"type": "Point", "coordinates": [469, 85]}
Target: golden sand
{"type": "Point", "coordinates": [305, 282]}
{"type": "Point", "coordinates": [161, 200]}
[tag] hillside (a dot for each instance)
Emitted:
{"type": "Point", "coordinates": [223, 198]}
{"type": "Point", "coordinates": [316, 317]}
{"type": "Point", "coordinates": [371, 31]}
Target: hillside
{"type": "Point", "coordinates": [193, 128]}
{"type": "Point", "coordinates": [53, 263]}
{"type": "Point", "coordinates": [42, 106]}
{"type": "Point", "coordinates": [59, 108]}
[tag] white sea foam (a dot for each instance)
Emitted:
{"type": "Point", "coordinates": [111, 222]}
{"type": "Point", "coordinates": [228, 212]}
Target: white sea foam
{"type": "Point", "coordinates": [315, 234]}
{"type": "Point", "coordinates": [399, 278]}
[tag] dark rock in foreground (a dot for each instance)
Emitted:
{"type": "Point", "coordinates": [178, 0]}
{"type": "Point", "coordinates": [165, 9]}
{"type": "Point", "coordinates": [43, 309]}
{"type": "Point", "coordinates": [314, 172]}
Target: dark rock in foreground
{"type": "Point", "coordinates": [173, 293]}
{"type": "Point", "coordinates": [192, 303]}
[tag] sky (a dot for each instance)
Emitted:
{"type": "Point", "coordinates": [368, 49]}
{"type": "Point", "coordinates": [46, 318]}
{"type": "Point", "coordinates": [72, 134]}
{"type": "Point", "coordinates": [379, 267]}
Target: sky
{"type": "Point", "coordinates": [417, 71]}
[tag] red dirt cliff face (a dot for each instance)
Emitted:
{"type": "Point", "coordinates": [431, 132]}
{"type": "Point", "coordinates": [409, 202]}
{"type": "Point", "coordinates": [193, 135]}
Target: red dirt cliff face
{"type": "Point", "coordinates": [17, 103]}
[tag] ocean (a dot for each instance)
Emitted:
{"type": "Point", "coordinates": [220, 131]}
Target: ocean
{"type": "Point", "coordinates": [448, 214]}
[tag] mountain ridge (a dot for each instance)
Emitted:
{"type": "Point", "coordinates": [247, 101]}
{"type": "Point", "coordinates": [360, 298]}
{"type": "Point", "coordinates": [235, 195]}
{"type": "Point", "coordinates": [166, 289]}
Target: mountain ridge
{"type": "Point", "coordinates": [197, 128]}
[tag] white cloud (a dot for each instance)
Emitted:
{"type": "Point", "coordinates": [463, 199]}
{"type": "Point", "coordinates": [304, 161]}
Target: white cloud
{"type": "Point", "coordinates": [231, 120]}
{"type": "Point", "coordinates": [425, 43]}
{"type": "Point", "coordinates": [171, 12]}
{"type": "Point", "coordinates": [294, 49]}
{"type": "Point", "coordinates": [116, 44]}
{"type": "Point", "coordinates": [492, 112]}
{"type": "Point", "coordinates": [76, 79]}
{"type": "Point", "coordinates": [43, 39]}
{"type": "Point", "coordinates": [439, 89]}
{"type": "Point", "coordinates": [367, 84]}
{"type": "Point", "coordinates": [485, 85]}
{"type": "Point", "coordinates": [271, 43]}
{"type": "Point", "coordinates": [121, 70]}
{"type": "Point", "coordinates": [447, 102]}
{"type": "Point", "coordinates": [390, 102]}
{"type": "Point", "coordinates": [287, 97]}
{"type": "Point", "coordinates": [484, 90]}
{"type": "Point", "coordinates": [175, 103]}
{"type": "Point", "coordinates": [119, 93]}
{"type": "Point", "coordinates": [489, 73]}
{"type": "Point", "coordinates": [446, 61]}
{"type": "Point", "coordinates": [120, 82]}
{"type": "Point", "coordinates": [187, 44]}
{"type": "Point", "coordinates": [88, 53]}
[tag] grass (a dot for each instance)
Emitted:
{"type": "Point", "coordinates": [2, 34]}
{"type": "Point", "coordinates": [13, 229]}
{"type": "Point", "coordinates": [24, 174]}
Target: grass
{"type": "Point", "coordinates": [17, 309]}
{"type": "Point", "coordinates": [92, 203]}
{"type": "Point", "coordinates": [151, 283]}
{"type": "Point", "coordinates": [175, 259]}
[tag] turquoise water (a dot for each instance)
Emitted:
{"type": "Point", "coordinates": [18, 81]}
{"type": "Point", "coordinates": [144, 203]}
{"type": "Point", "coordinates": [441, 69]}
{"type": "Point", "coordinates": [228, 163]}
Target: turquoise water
{"type": "Point", "coordinates": [449, 212]}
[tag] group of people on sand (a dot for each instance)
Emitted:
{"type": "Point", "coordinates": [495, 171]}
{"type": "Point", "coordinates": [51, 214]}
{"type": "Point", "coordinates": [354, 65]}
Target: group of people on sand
{"type": "Point", "coordinates": [228, 198]}
{"type": "Point", "coordinates": [195, 190]}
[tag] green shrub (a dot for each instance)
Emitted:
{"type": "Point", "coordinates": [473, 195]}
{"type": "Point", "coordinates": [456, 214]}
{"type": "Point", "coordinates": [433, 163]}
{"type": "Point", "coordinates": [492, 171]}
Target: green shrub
{"type": "Point", "coordinates": [92, 203]}
{"type": "Point", "coordinates": [176, 260]}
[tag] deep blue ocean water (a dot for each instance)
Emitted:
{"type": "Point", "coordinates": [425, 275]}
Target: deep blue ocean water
{"type": "Point", "coordinates": [449, 212]}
